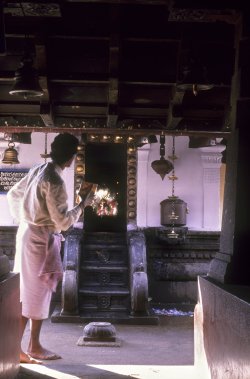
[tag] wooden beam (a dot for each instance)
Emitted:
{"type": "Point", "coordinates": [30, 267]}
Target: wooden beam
{"type": "Point", "coordinates": [2, 31]}
{"type": "Point", "coordinates": [46, 114]}
{"type": "Point", "coordinates": [113, 90]}
{"type": "Point", "coordinates": [136, 132]}
{"type": "Point", "coordinates": [173, 120]}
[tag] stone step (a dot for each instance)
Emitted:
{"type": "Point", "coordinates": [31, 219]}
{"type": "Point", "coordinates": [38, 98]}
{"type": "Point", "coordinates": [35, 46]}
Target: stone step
{"type": "Point", "coordinates": [118, 317]}
{"type": "Point", "coordinates": [122, 318]}
{"type": "Point", "coordinates": [103, 284]}
{"type": "Point", "coordinates": [104, 300]}
{"type": "Point", "coordinates": [109, 276]}
{"type": "Point", "coordinates": [104, 306]}
{"type": "Point", "coordinates": [106, 238]}
{"type": "Point", "coordinates": [104, 246]}
{"type": "Point", "coordinates": [103, 258]}
{"type": "Point", "coordinates": [104, 303]}
{"type": "Point", "coordinates": [95, 268]}
{"type": "Point", "coordinates": [97, 285]}
{"type": "Point", "coordinates": [104, 315]}
{"type": "Point", "coordinates": [114, 291]}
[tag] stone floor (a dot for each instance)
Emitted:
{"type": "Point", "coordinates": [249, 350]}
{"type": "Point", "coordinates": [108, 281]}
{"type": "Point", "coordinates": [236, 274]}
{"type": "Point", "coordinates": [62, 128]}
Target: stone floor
{"type": "Point", "coordinates": [163, 351]}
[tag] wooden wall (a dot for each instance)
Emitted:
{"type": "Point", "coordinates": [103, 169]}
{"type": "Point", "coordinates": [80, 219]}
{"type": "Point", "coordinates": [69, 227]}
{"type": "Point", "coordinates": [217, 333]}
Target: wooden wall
{"type": "Point", "coordinates": [10, 315]}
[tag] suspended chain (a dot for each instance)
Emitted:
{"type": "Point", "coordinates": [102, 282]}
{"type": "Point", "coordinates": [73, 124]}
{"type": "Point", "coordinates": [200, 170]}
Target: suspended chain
{"type": "Point", "coordinates": [45, 147]}
{"type": "Point", "coordinates": [173, 172]}
{"type": "Point", "coordinates": [173, 215]}
{"type": "Point", "coordinates": [162, 145]}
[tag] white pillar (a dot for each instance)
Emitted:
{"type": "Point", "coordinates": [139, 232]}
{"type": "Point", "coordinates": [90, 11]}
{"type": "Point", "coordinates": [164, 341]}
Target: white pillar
{"type": "Point", "coordinates": [211, 161]}
{"type": "Point", "coordinates": [142, 185]}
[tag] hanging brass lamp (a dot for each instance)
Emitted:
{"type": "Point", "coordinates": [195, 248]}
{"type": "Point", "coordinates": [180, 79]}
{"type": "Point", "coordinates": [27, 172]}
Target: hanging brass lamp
{"type": "Point", "coordinates": [26, 76]}
{"type": "Point", "coordinates": [173, 209]}
{"type": "Point", "coordinates": [26, 80]}
{"type": "Point", "coordinates": [193, 72]}
{"type": "Point", "coordinates": [194, 78]}
{"type": "Point", "coordinates": [45, 155]}
{"type": "Point", "coordinates": [162, 166]}
{"type": "Point", "coordinates": [10, 154]}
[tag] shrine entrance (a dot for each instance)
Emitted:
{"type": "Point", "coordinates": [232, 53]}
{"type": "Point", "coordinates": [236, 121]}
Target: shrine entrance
{"type": "Point", "coordinates": [106, 165]}
{"type": "Point", "coordinates": [107, 279]}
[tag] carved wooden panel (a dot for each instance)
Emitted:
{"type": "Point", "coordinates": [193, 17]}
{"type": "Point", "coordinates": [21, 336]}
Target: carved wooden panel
{"type": "Point", "coordinates": [8, 242]}
{"type": "Point", "coordinates": [131, 187]}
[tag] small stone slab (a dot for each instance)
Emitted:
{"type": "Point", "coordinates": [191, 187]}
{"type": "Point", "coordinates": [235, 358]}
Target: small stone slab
{"type": "Point", "coordinates": [82, 342]}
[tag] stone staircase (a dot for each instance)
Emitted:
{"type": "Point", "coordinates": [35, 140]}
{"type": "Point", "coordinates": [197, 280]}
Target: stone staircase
{"type": "Point", "coordinates": [105, 279]}
{"type": "Point", "coordinates": [103, 289]}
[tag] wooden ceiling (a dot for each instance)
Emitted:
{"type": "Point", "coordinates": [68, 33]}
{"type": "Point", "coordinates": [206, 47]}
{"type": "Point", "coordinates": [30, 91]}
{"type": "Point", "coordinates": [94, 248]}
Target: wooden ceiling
{"type": "Point", "coordinates": [115, 65]}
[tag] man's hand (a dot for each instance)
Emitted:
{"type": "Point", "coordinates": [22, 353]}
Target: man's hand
{"type": "Point", "coordinates": [85, 194]}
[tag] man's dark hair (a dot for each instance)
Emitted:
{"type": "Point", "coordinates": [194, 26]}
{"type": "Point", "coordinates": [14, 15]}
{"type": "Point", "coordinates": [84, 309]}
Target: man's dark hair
{"type": "Point", "coordinates": [63, 148]}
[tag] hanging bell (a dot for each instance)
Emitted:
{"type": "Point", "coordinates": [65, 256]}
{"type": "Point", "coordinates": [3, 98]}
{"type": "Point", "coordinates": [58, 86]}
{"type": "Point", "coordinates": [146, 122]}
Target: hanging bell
{"type": "Point", "coordinates": [162, 167]}
{"type": "Point", "coordinates": [10, 155]}
{"type": "Point", "coordinates": [26, 80]}
{"type": "Point", "coordinates": [194, 77]}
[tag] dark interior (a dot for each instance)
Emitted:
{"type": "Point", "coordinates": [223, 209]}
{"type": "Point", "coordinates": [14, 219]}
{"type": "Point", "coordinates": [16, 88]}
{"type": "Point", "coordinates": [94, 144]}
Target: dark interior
{"type": "Point", "coordinates": [106, 165]}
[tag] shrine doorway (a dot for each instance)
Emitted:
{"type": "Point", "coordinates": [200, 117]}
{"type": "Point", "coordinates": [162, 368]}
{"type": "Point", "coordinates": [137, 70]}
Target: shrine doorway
{"type": "Point", "coordinates": [106, 165]}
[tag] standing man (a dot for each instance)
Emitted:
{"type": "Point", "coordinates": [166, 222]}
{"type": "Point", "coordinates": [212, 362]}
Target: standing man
{"type": "Point", "coordinates": [38, 202]}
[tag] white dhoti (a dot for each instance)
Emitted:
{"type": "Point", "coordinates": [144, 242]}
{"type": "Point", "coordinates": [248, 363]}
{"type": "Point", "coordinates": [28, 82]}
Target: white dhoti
{"type": "Point", "coordinates": [39, 263]}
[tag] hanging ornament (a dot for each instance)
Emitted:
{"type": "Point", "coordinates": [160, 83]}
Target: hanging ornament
{"type": "Point", "coordinates": [162, 166]}
{"type": "Point", "coordinates": [45, 155]}
{"type": "Point", "coordinates": [173, 209]}
{"type": "Point", "coordinates": [173, 216]}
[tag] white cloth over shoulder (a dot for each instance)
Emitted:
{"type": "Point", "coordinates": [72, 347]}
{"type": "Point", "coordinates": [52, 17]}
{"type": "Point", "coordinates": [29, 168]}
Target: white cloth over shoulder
{"type": "Point", "coordinates": [40, 198]}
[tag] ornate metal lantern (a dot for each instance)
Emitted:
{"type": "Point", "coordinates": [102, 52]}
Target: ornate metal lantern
{"type": "Point", "coordinates": [173, 209]}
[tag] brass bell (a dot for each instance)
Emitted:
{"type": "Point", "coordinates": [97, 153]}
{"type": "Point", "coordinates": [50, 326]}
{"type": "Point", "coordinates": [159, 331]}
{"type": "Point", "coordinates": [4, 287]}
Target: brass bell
{"type": "Point", "coordinates": [193, 76]}
{"type": "Point", "coordinates": [26, 80]}
{"type": "Point", "coordinates": [10, 155]}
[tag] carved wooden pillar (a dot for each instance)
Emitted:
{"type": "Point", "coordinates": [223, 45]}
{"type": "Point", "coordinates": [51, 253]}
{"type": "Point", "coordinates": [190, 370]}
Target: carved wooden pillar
{"type": "Point", "coordinates": [142, 183]}
{"type": "Point", "coordinates": [231, 264]}
{"type": "Point", "coordinates": [79, 166]}
{"type": "Point", "coordinates": [211, 160]}
{"type": "Point", "coordinates": [131, 188]}
{"type": "Point", "coordinates": [4, 264]}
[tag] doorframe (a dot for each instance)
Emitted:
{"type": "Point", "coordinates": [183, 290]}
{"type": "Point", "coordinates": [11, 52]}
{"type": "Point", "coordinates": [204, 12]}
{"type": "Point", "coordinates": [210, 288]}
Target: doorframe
{"type": "Point", "coordinates": [79, 171]}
